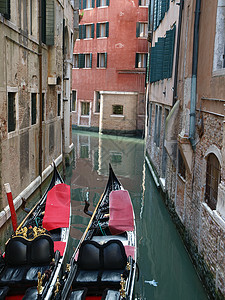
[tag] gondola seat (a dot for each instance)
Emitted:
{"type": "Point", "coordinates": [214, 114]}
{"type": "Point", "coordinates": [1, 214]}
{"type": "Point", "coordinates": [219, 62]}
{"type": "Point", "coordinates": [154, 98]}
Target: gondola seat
{"type": "Point", "coordinates": [79, 294]}
{"type": "Point", "coordinates": [31, 293]}
{"type": "Point", "coordinates": [24, 259]}
{"type": "Point", "coordinates": [3, 292]}
{"type": "Point", "coordinates": [110, 295]}
{"type": "Point", "coordinates": [100, 265]}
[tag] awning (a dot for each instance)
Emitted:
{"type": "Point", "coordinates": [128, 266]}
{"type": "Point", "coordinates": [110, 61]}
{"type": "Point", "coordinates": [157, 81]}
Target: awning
{"type": "Point", "coordinates": [121, 217]}
{"type": "Point", "coordinates": [57, 209]}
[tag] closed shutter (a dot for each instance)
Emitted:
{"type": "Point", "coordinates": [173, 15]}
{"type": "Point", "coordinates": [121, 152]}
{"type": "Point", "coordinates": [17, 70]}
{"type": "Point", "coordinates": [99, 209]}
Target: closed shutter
{"type": "Point", "coordinates": [172, 37]}
{"type": "Point", "coordinates": [50, 22]}
{"type": "Point", "coordinates": [43, 25]}
{"type": "Point", "coordinates": [155, 14]}
{"type": "Point", "coordinates": [92, 30]}
{"type": "Point", "coordinates": [159, 63]}
{"type": "Point", "coordinates": [81, 60]}
{"type": "Point", "coordinates": [84, 31]}
{"type": "Point", "coordinates": [93, 3]}
{"type": "Point", "coordinates": [80, 4]}
{"type": "Point", "coordinates": [81, 28]}
{"type": "Point", "coordinates": [90, 60]}
{"type": "Point", "coordinates": [152, 64]}
{"type": "Point", "coordinates": [97, 30]}
{"type": "Point", "coordinates": [107, 2]}
{"type": "Point", "coordinates": [107, 29]}
{"type": "Point", "coordinates": [166, 61]}
{"type": "Point", "coordinates": [137, 29]}
{"type": "Point", "coordinates": [97, 60]}
{"type": "Point", "coordinates": [136, 60]}
{"type": "Point", "coordinates": [5, 8]}
{"type": "Point", "coordinates": [105, 60]}
{"type": "Point", "coordinates": [11, 112]}
{"type": "Point", "coordinates": [97, 3]}
{"type": "Point", "coordinates": [139, 2]}
{"type": "Point", "coordinates": [84, 4]}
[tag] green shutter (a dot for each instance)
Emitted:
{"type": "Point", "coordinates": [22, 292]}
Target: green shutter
{"type": "Point", "coordinates": [83, 31]}
{"type": "Point", "coordinates": [107, 29]}
{"type": "Point", "coordinates": [81, 60]}
{"type": "Point", "coordinates": [97, 30]}
{"type": "Point", "coordinates": [50, 22]}
{"type": "Point", "coordinates": [105, 60]}
{"type": "Point", "coordinates": [84, 4]}
{"type": "Point", "coordinates": [97, 60]}
{"type": "Point", "coordinates": [90, 60]}
{"type": "Point", "coordinates": [97, 3]}
{"type": "Point", "coordinates": [139, 2]}
{"type": "Point", "coordinates": [173, 31]}
{"type": "Point", "coordinates": [80, 6]}
{"type": "Point", "coordinates": [107, 2]}
{"type": "Point", "coordinates": [153, 65]}
{"type": "Point", "coordinates": [43, 25]}
{"type": "Point", "coordinates": [93, 3]}
{"type": "Point", "coordinates": [5, 8]}
{"type": "Point", "coordinates": [137, 29]}
{"type": "Point", "coordinates": [155, 13]}
{"type": "Point", "coordinates": [92, 30]}
{"type": "Point", "coordinates": [136, 60]}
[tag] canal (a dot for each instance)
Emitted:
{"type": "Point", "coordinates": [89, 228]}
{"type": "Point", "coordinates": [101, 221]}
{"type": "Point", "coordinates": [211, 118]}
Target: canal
{"type": "Point", "coordinates": [161, 254]}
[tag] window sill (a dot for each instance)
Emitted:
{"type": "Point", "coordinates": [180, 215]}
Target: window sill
{"type": "Point", "coordinates": [88, 39]}
{"type": "Point", "coordinates": [218, 73]}
{"type": "Point", "coordinates": [102, 38]}
{"type": "Point", "coordinates": [118, 116]}
{"type": "Point", "coordinates": [102, 6]}
{"type": "Point", "coordinates": [101, 68]}
{"type": "Point", "coordinates": [88, 8]}
{"type": "Point", "coordinates": [96, 113]}
{"type": "Point", "coordinates": [84, 116]}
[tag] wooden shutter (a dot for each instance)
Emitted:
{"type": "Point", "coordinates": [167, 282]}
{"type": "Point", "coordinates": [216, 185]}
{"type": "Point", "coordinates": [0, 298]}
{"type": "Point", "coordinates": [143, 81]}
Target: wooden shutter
{"type": "Point", "coordinates": [93, 3]}
{"type": "Point", "coordinates": [97, 60]}
{"type": "Point", "coordinates": [152, 64]}
{"type": "Point", "coordinates": [139, 2]}
{"type": "Point", "coordinates": [80, 4]}
{"type": "Point", "coordinates": [166, 60]}
{"type": "Point", "coordinates": [84, 4]}
{"type": "Point", "coordinates": [136, 60]}
{"type": "Point", "coordinates": [97, 3]}
{"type": "Point", "coordinates": [92, 30]}
{"type": "Point", "coordinates": [137, 29]}
{"type": "Point", "coordinates": [50, 22]}
{"type": "Point", "coordinates": [160, 50]}
{"type": "Point", "coordinates": [97, 30]}
{"type": "Point", "coordinates": [11, 112]}
{"type": "Point", "coordinates": [5, 8]}
{"type": "Point", "coordinates": [84, 31]}
{"type": "Point", "coordinates": [155, 13]}
{"type": "Point", "coordinates": [81, 60]}
{"type": "Point", "coordinates": [107, 2]}
{"type": "Point", "coordinates": [90, 60]}
{"type": "Point", "coordinates": [105, 60]}
{"type": "Point", "coordinates": [107, 29]}
{"type": "Point", "coordinates": [172, 38]}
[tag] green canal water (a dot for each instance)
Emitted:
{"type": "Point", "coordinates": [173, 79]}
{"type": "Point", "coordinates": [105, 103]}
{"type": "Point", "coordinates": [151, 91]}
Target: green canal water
{"type": "Point", "coordinates": [161, 254]}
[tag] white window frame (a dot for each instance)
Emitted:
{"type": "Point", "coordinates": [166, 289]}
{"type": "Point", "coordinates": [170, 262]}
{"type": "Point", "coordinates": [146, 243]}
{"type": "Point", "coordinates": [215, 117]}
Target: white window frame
{"type": "Point", "coordinates": [87, 60]}
{"type": "Point", "coordinates": [76, 66]}
{"type": "Point", "coordinates": [143, 29]}
{"type": "Point", "coordinates": [15, 132]}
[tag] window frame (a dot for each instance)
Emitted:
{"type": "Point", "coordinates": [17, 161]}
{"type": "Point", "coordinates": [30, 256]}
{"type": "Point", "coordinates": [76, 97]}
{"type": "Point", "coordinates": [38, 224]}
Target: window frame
{"type": "Point", "coordinates": [75, 61]}
{"type": "Point", "coordinates": [115, 107]}
{"type": "Point", "coordinates": [100, 58]}
{"type": "Point", "coordinates": [15, 113]}
{"type": "Point", "coordinates": [74, 91]}
{"type": "Point", "coordinates": [33, 120]}
{"type": "Point", "coordinates": [87, 104]}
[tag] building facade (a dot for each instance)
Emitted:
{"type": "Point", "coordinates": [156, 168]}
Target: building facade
{"type": "Point", "coordinates": [185, 128]}
{"type": "Point", "coordinates": [109, 64]}
{"type": "Point", "coordinates": [37, 39]}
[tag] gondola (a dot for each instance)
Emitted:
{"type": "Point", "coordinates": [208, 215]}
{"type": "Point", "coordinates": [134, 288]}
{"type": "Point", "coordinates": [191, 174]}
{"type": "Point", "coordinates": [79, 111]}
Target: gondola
{"type": "Point", "coordinates": [35, 252]}
{"type": "Point", "coordinates": [103, 265]}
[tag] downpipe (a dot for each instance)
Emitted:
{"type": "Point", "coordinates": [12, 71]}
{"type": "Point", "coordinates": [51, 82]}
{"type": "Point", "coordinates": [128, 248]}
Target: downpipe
{"type": "Point", "coordinates": [194, 76]}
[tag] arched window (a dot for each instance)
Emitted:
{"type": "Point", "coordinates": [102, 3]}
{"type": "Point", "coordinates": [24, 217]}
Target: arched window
{"type": "Point", "coordinates": [213, 170]}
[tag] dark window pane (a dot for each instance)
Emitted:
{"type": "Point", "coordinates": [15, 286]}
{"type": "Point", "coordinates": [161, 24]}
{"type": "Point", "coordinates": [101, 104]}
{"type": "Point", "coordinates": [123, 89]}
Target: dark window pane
{"type": "Point", "coordinates": [117, 109]}
{"type": "Point", "coordinates": [11, 112]}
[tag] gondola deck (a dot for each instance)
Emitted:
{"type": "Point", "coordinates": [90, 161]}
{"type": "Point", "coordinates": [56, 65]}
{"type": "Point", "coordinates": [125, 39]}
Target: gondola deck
{"type": "Point", "coordinates": [38, 245]}
{"type": "Point", "coordinates": [103, 265]}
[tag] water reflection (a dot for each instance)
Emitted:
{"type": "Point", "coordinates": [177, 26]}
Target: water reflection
{"type": "Point", "coordinates": [161, 254]}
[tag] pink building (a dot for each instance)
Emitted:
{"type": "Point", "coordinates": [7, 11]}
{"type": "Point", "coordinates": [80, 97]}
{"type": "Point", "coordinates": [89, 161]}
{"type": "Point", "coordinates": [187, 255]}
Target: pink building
{"type": "Point", "coordinates": [109, 64]}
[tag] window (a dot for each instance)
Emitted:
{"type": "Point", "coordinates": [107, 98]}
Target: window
{"type": "Point", "coordinates": [149, 118]}
{"type": "Point", "coordinates": [158, 117]}
{"type": "Point", "coordinates": [100, 3]}
{"type": "Point", "coordinates": [74, 100]}
{"type": "Point", "coordinates": [219, 46]}
{"type": "Point", "coordinates": [142, 30]}
{"type": "Point", "coordinates": [101, 60]}
{"type": "Point", "coordinates": [48, 22]}
{"type": "Point", "coordinates": [161, 64]}
{"type": "Point", "coordinates": [59, 105]}
{"type": "Point", "coordinates": [5, 8]}
{"type": "Point", "coordinates": [160, 8]}
{"type": "Point", "coordinates": [97, 102]}
{"type": "Point", "coordinates": [33, 108]}
{"type": "Point", "coordinates": [75, 61]}
{"type": "Point", "coordinates": [86, 31]}
{"type": "Point", "coordinates": [144, 2]}
{"type": "Point", "coordinates": [85, 60]}
{"type": "Point", "coordinates": [141, 60]}
{"type": "Point", "coordinates": [117, 109]}
{"type": "Point", "coordinates": [213, 171]}
{"type": "Point", "coordinates": [115, 157]}
{"type": "Point", "coordinates": [85, 108]}
{"type": "Point", "coordinates": [102, 30]}
{"type": "Point", "coordinates": [181, 166]}
{"type": "Point", "coordinates": [87, 4]}
{"type": "Point", "coordinates": [11, 112]}
{"type": "Point", "coordinates": [84, 151]}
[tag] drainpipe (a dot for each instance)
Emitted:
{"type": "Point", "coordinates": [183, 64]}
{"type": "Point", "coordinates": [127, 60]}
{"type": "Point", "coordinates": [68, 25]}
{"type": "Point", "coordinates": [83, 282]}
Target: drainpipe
{"type": "Point", "coordinates": [40, 87]}
{"type": "Point", "coordinates": [181, 4]}
{"type": "Point", "coordinates": [194, 76]}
